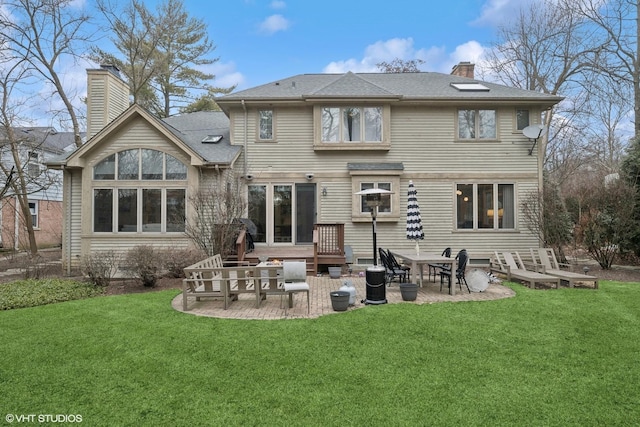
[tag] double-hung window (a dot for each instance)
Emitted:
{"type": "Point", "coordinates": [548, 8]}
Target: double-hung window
{"type": "Point", "coordinates": [139, 190]}
{"type": "Point", "coordinates": [477, 124]}
{"type": "Point", "coordinates": [485, 206]}
{"type": "Point", "coordinates": [33, 209]}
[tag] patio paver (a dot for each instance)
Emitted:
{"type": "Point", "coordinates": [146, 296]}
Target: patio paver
{"type": "Point", "coordinates": [321, 287]}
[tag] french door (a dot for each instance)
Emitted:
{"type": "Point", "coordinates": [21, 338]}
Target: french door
{"type": "Point", "coordinates": [283, 213]}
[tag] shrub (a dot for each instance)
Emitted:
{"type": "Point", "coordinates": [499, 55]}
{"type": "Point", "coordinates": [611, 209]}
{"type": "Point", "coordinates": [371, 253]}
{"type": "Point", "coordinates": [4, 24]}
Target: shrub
{"type": "Point", "coordinates": [143, 261]}
{"type": "Point", "coordinates": [176, 260]}
{"type": "Point", "coordinates": [31, 293]}
{"type": "Point", "coordinates": [36, 267]}
{"type": "Point", "coordinates": [100, 267]}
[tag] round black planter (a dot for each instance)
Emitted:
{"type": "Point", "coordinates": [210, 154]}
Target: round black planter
{"type": "Point", "coordinates": [409, 291]}
{"type": "Point", "coordinates": [340, 300]}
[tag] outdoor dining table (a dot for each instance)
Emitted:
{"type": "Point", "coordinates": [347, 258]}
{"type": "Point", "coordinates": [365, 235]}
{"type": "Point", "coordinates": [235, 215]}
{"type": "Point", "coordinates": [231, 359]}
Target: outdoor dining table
{"type": "Point", "coordinates": [265, 277]}
{"type": "Point", "coordinates": [417, 262]}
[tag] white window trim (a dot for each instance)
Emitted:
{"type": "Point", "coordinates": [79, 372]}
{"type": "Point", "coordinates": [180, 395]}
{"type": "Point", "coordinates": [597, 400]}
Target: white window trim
{"type": "Point", "coordinates": [36, 223]}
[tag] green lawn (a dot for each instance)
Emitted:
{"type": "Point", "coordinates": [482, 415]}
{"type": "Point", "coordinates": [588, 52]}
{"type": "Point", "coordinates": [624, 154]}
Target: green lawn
{"type": "Point", "coordinates": [544, 358]}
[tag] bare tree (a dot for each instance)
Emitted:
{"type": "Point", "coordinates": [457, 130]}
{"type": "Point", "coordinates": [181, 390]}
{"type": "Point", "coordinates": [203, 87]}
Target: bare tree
{"type": "Point", "coordinates": [217, 208]}
{"type": "Point", "coordinates": [620, 21]}
{"type": "Point", "coordinates": [548, 48]}
{"type": "Point", "coordinates": [400, 66]}
{"type": "Point", "coordinates": [43, 33]}
{"type": "Point", "coordinates": [16, 146]}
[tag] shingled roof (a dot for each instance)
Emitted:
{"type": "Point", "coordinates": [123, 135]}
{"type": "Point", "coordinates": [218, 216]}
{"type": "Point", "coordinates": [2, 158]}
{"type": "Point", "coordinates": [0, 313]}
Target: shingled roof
{"type": "Point", "coordinates": [427, 86]}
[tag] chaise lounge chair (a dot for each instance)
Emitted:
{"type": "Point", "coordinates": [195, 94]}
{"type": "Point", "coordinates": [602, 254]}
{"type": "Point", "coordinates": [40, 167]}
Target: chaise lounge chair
{"type": "Point", "coordinates": [516, 270]}
{"type": "Point", "coordinates": [546, 260]}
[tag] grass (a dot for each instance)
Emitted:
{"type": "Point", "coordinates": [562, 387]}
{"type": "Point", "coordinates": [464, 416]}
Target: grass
{"type": "Point", "coordinates": [544, 358]}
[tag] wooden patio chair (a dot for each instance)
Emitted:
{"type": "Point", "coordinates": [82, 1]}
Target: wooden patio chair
{"type": "Point", "coordinates": [270, 281]}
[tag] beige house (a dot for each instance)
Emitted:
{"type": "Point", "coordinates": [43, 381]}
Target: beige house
{"type": "Point", "coordinates": [304, 146]}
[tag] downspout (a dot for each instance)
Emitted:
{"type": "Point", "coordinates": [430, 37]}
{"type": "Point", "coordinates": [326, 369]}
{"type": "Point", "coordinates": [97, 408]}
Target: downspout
{"type": "Point", "coordinates": [69, 215]}
{"type": "Point", "coordinates": [246, 140]}
{"type": "Point", "coordinates": [16, 224]}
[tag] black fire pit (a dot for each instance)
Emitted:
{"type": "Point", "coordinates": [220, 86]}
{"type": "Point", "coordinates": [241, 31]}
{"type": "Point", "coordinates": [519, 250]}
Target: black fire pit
{"type": "Point", "coordinates": [376, 293]}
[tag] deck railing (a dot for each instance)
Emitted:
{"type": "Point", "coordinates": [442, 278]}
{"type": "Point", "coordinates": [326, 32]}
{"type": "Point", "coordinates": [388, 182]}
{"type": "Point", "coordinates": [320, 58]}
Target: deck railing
{"type": "Point", "coordinates": [328, 244]}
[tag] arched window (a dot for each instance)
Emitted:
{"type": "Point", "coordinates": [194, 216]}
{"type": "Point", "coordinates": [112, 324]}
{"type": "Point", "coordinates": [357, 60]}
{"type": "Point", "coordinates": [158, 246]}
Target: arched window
{"type": "Point", "coordinates": [140, 164]}
{"type": "Point", "coordinates": [139, 191]}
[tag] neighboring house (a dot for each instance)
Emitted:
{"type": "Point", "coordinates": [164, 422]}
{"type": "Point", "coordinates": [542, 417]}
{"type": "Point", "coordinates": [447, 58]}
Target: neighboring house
{"type": "Point", "coordinates": [37, 146]}
{"type": "Point", "coordinates": [305, 145]}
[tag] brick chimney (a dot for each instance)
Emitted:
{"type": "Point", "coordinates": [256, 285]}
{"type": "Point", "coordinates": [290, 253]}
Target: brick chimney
{"type": "Point", "coordinates": [107, 97]}
{"type": "Point", "coordinates": [463, 69]}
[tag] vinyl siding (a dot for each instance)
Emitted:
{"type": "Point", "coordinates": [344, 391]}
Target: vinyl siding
{"type": "Point", "coordinates": [72, 231]}
{"type": "Point", "coordinates": [137, 134]}
{"type": "Point", "coordinates": [424, 140]}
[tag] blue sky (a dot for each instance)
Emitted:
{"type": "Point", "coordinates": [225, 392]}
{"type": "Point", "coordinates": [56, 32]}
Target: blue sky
{"type": "Point", "coordinates": [259, 41]}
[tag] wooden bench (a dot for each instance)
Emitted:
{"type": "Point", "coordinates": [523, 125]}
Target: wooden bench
{"type": "Point", "coordinates": [202, 280]}
{"type": "Point", "coordinates": [211, 278]}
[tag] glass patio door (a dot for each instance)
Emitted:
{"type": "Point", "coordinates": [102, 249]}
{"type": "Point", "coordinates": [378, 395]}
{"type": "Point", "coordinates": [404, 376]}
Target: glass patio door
{"type": "Point", "coordinates": [283, 213]}
{"type": "Point", "coordinates": [305, 212]}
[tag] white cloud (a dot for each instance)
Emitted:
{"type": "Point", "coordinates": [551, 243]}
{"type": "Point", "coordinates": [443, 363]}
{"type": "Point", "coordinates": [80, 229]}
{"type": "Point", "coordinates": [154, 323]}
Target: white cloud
{"type": "Point", "coordinates": [435, 58]}
{"type": "Point", "coordinates": [226, 74]}
{"type": "Point", "coordinates": [277, 4]}
{"type": "Point", "coordinates": [273, 24]}
{"type": "Point", "coordinates": [497, 12]}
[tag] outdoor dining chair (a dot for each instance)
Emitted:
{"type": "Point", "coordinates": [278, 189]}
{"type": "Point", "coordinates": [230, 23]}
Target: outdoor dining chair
{"type": "Point", "coordinates": [435, 268]}
{"type": "Point", "coordinates": [392, 272]}
{"type": "Point", "coordinates": [462, 258]}
{"type": "Point", "coordinates": [294, 274]}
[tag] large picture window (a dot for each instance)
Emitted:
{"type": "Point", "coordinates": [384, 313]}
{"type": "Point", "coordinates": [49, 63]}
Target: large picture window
{"type": "Point", "coordinates": [139, 193]}
{"type": "Point", "coordinates": [477, 124]}
{"type": "Point", "coordinates": [351, 124]}
{"type": "Point", "coordinates": [485, 206]}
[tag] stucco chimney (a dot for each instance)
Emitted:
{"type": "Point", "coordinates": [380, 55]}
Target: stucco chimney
{"type": "Point", "coordinates": [107, 97]}
{"type": "Point", "coordinates": [463, 69]}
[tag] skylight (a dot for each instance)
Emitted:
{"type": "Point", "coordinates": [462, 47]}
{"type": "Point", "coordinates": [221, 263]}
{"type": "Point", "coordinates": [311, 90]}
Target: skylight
{"type": "Point", "coordinates": [470, 87]}
{"type": "Point", "coordinates": [212, 139]}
